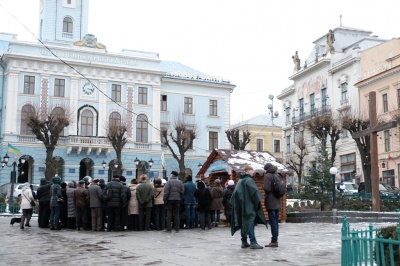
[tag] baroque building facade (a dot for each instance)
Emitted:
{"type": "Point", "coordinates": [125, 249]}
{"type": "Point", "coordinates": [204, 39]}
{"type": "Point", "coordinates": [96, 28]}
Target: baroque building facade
{"type": "Point", "coordinates": [70, 70]}
{"type": "Point", "coordinates": [324, 84]}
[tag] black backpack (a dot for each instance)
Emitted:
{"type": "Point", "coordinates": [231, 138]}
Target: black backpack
{"type": "Point", "coordinates": [278, 188]}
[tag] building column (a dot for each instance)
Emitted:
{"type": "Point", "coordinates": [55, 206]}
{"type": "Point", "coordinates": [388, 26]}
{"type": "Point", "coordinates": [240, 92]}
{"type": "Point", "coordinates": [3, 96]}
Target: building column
{"type": "Point", "coordinates": [73, 104]}
{"type": "Point", "coordinates": [12, 109]}
{"type": "Point", "coordinates": [129, 107]}
{"type": "Point", "coordinates": [103, 118]}
{"type": "Point", "coordinates": [155, 134]}
{"type": "Point", "coordinates": [44, 97]}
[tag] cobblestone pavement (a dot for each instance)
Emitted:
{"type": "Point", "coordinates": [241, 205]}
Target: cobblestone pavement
{"type": "Point", "coordinates": [299, 244]}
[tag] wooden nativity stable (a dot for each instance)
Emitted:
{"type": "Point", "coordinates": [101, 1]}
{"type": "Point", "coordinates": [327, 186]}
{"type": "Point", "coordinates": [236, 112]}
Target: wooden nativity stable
{"type": "Point", "coordinates": [228, 164]}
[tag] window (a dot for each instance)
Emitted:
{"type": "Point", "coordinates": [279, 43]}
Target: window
{"type": "Point", "coordinates": [188, 108]}
{"type": "Point", "coordinates": [398, 98]}
{"type": "Point", "coordinates": [312, 104]}
{"type": "Point", "coordinates": [324, 99]}
{"type": "Point", "coordinates": [385, 103]}
{"type": "Point", "coordinates": [260, 145]}
{"type": "Point", "coordinates": [288, 144]}
{"type": "Point", "coordinates": [287, 112]}
{"type": "Point", "coordinates": [69, 2]}
{"type": "Point", "coordinates": [142, 95]}
{"type": "Point", "coordinates": [29, 84]}
{"type": "Point", "coordinates": [87, 123]}
{"type": "Point", "coordinates": [347, 165]}
{"type": "Point", "coordinates": [277, 145]}
{"type": "Point", "coordinates": [389, 177]}
{"type": "Point", "coordinates": [387, 140]}
{"type": "Point", "coordinates": [345, 133]}
{"type": "Point", "coordinates": [163, 104]}
{"type": "Point", "coordinates": [187, 138]}
{"type": "Point", "coordinates": [59, 112]}
{"type": "Point", "coordinates": [301, 104]}
{"type": "Point", "coordinates": [59, 87]}
{"type": "Point", "coordinates": [213, 108]}
{"type": "Point", "coordinates": [212, 140]}
{"type": "Point", "coordinates": [344, 91]}
{"type": "Point", "coordinates": [142, 129]}
{"type": "Point", "coordinates": [115, 119]}
{"type": "Point", "coordinates": [312, 140]}
{"type": "Point", "coordinates": [67, 25]}
{"type": "Point", "coordinates": [116, 92]}
{"type": "Point", "coordinates": [26, 111]}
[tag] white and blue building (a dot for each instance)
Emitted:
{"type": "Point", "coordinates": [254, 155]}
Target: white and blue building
{"type": "Point", "coordinates": [71, 70]}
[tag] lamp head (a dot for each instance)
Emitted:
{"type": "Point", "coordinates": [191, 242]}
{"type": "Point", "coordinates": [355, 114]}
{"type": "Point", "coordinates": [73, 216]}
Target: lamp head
{"type": "Point", "coordinates": [333, 170]}
{"type": "Point", "coordinates": [104, 164]}
{"type": "Point", "coordinates": [136, 161]}
{"type": "Point", "coordinates": [271, 97]}
{"type": "Point", "coordinates": [151, 162]}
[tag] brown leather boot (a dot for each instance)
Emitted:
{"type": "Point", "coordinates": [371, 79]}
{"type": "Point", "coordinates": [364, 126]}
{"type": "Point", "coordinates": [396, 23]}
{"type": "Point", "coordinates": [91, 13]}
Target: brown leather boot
{"type": "Point", "coordinates": [272, 245]}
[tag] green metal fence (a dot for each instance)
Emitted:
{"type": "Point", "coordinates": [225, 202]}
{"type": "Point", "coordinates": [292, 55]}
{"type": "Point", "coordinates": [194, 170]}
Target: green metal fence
{"type": "Point", "coordinates": [363, 247]}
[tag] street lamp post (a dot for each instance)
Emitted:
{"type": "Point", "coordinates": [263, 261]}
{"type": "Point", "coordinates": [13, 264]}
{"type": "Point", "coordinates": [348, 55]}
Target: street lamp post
{"type": "Point", "coordinates": [333, 172]}
{"type": "Point", "coordinates": [273, 115]}
{"type": "Point", "coordinates": [13, 174]}
{"type": "Point", "coordinates": [137, 161]}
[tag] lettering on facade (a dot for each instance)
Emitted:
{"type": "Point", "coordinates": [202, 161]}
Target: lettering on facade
{"type": "Point", "coordinates": [90, 57]}
{"type": "Point", "coordinates": [195, 76]}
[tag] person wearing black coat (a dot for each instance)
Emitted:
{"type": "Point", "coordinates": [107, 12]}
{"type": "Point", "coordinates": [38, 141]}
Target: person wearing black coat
{"type": "Point", "coordinates": [227, 202]}
{"type": "Point", "coordinates": [124, 209]}
{"type": "Point", "coordinates": [43, 195]}
{"type": "Point", "coordinates": [203, 196]}
{"type": "Point", "coordinates": [118, 200]}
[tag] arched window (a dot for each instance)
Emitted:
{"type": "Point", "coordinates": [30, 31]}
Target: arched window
{"type": "Point", "coordinates": [26, 111]}
{"type": "Point", "coordinates": [142, 129]}
{"type": "Point", "coordinates": [115, 119]}
{"type": "Point", "coordinates": [67, 25]}
{"type": "Point", "coordinates": [59, 112]}
{"type": "Point", "coordinates": [87, 123]}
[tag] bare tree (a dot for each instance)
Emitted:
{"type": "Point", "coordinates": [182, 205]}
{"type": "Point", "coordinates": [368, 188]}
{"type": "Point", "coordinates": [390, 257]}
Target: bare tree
{"type": "Point", "coordinates": [48, 127]}
{"type": "Point", "coordinates": [322, 126]}
{"type": "Point", "coordinates": [233, 136]}
{"type": "Point", "coordinates": [179, 139]}
{"type": "Point", "coordinates": [295, 161]}
{"type": "Point", "coordinates": [355, 123]}
{"type": "Point", "coordinates": [116, 134]}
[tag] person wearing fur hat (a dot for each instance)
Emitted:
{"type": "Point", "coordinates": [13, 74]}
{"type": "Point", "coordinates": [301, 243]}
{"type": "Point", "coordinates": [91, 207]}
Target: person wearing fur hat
{"type": "Point", "coordinates": [26, 207]}
{"type": "Point", "coordinates": [227, 202]}
{"type": "Point", "coordinates": [55, 194]}
{"type": "Point", "coordinates": [246, 209]}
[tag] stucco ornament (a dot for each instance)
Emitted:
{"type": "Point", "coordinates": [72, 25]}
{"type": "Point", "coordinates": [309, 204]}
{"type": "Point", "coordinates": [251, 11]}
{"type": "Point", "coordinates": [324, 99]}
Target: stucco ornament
{"type": "Point", "coordinates": [89, 40]}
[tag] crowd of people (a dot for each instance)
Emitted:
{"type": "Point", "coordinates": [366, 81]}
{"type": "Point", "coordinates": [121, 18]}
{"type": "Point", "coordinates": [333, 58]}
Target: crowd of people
{"type": "Point", "coordinates": [90, 204]}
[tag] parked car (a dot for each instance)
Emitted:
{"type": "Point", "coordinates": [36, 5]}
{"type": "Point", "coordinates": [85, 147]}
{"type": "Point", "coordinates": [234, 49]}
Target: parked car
{"type": "Point", "coordinates": [384, 192]}
{"type": "Point", "coordinates": [18, 189]}
{"type": "Point", "coordinates": [349, 187]}
{"type": "Point", "coordinates": [393, 189]}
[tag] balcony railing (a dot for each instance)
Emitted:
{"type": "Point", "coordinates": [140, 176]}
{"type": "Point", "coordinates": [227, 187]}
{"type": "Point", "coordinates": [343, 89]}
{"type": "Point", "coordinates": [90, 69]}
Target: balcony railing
{"type": "Point", "coordinates": [315, 112]}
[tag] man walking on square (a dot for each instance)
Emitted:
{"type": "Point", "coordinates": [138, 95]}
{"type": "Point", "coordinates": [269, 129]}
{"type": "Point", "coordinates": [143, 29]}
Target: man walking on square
{"type": "Point", "coordinates": [173, 192]}
{"type": "Point", "coordinates": [246, 208]}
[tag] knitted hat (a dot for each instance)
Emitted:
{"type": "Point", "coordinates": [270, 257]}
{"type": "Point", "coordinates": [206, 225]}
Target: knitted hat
{"type": "Point", "coordinates": [231, 183]}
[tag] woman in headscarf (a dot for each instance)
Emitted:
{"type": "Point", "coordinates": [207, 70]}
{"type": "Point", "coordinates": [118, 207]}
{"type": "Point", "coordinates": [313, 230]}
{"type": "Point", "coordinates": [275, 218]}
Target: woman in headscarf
{"type": "Point", "coordinates": [26, 199]}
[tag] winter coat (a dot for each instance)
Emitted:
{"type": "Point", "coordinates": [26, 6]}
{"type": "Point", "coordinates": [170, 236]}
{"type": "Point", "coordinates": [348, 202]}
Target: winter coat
{"type": "Point", "coordinates": [81, 197]}
{"type": "Point", "coordinates": [127, 192]}
{"type": "Point", "coordinates": [203, 196]}
{"type": "Point", "coordinates": [95, 196]}
{"type": "Point", "coordinates": [227, 199]}
{"type": "Point", "coordinates": [26, 198]}
{"type": "Point", "coordinates": [271, 202]}
{"type": "Point", "coordinates": [133, 207]}
{"type": "Point", "coordinates": [190, 188]}
{"type": "Point", "coordinates": [158, 195]}
{"type": "Point", "coordinates": [246, 205]}
{"type": "Point", "coordinates": [118, 195]}
{"type": "Point", "coordinates": [43, 191]}
{"type": "Point", "coordinates": [173, 190]}
{"type": "Point", "coordinates": [145, 194]}
{"type": "Point", "coordinates": [70, 202]}
{"type": "Point", "coordinates": [216, 198]}
{"type": "Point", "coordinates": [55, 192]}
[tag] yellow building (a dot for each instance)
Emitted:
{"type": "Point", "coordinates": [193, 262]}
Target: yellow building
{"type": "Point", "coordinates": [380, 72]}
{"type": "Point", "coordinates": [265, 134]}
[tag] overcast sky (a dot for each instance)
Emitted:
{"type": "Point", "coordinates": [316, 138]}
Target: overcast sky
{"type": "Point", "coordinates": [248, 42]}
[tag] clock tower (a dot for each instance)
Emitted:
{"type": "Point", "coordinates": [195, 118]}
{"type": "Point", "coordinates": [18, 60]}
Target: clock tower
{"type": "Point", "coordinates": [63, 21]}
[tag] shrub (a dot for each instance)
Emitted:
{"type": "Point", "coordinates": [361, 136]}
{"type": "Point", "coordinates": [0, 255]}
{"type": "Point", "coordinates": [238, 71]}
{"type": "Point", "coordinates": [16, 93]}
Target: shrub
{"type": "Point", "coordinates": [386, 233]}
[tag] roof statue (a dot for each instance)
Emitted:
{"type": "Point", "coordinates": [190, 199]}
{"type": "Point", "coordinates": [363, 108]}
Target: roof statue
{"type": "Point", "coordinates": [296, 61]}
{"type": "Point", "coordinates": [89, 40]}
{"type": "Point", "coordinates": [330, 39]}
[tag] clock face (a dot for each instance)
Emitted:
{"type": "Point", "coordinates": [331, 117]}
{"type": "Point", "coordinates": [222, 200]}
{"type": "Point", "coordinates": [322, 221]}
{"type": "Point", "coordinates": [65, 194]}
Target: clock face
{"type": "Point", "coordinates": [87, 88]}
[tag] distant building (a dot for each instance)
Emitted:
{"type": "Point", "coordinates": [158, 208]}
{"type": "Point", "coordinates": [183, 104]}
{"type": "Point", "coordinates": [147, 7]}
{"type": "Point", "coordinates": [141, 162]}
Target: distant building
{"type": "Point", "coordinates": [380, 72]}
{"type": "Point", "coordinates": [266, 134]}
{"type": "Point", "coordinates": [326, 85]}
{"type": "Point", "coordinates": [74, 70]}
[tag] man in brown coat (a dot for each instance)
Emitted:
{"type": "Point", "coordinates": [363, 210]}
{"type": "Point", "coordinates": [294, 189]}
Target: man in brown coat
{"type": "Point", "coordinates": [81, 199]}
